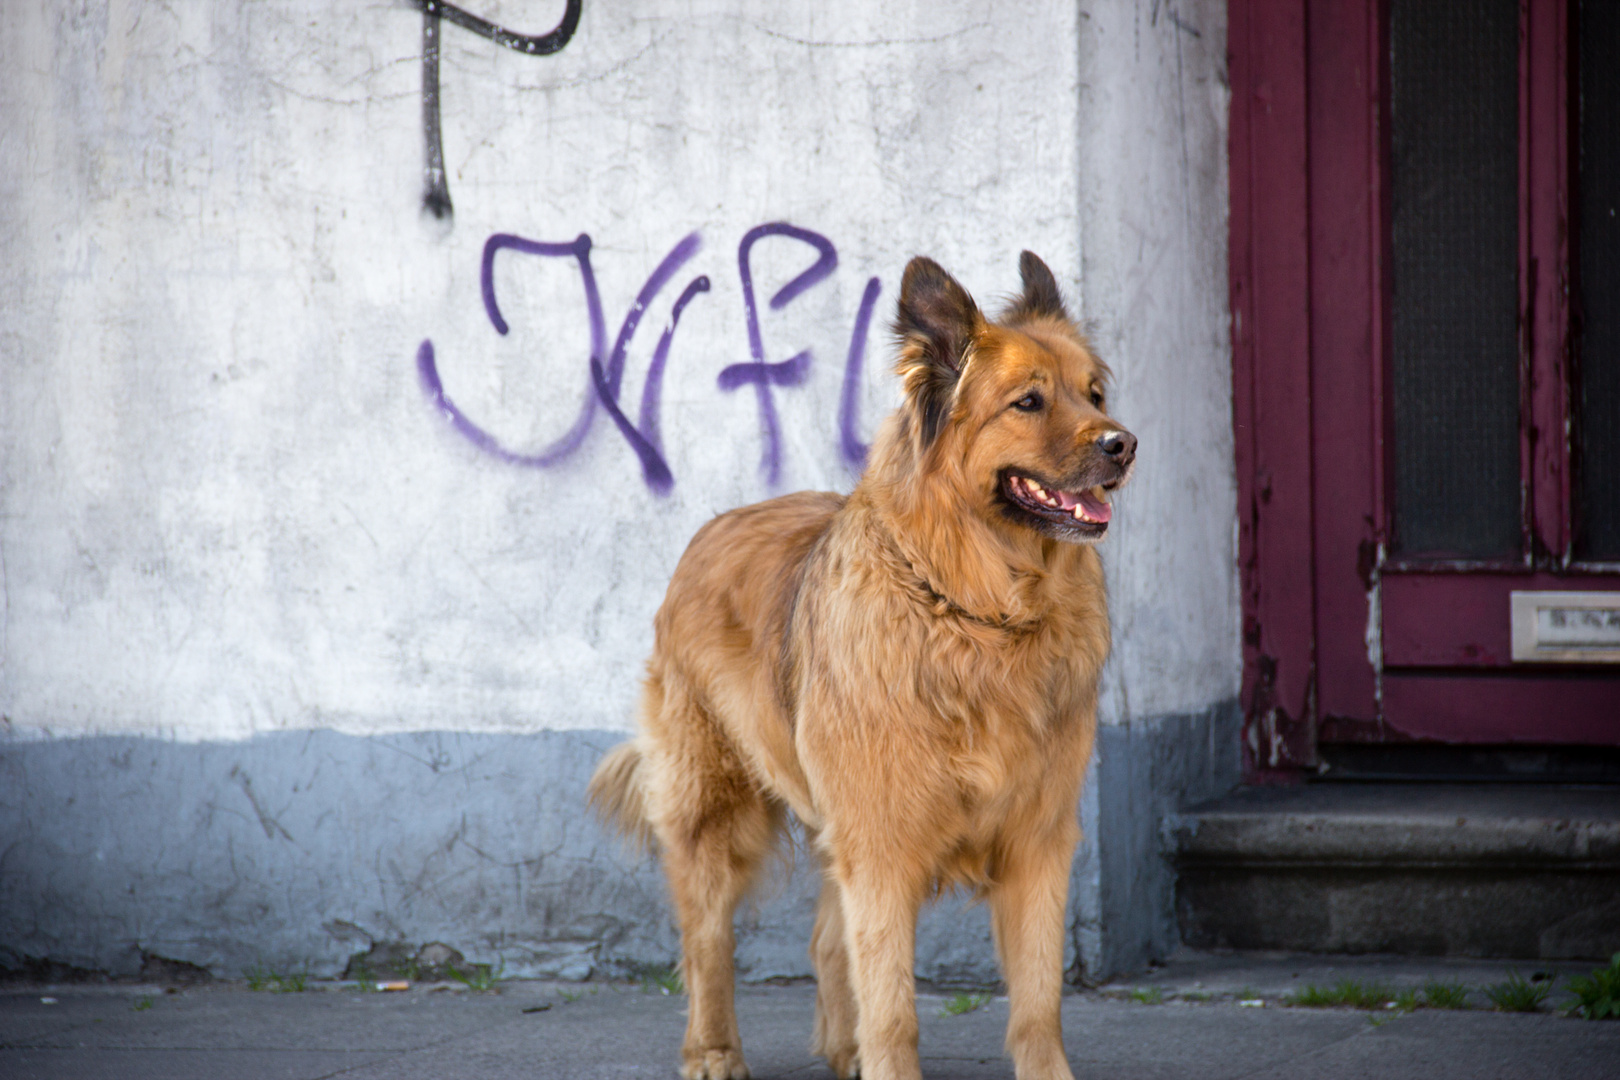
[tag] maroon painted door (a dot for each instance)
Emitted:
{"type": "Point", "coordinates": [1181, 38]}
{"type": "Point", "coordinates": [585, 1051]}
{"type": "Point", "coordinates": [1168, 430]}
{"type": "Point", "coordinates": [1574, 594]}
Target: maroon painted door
{"type": "Point", "coordinates": [1426, 304]}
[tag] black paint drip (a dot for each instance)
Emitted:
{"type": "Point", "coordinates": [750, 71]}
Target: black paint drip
{"type": "Point", "coordinates": [436, 193]}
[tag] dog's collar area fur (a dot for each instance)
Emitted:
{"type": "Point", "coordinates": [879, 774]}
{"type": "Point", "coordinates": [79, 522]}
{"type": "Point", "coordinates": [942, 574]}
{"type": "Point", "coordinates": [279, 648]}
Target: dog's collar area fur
{"type": "Point", "coordinates": [944, 605]}
{"type": "Point", "coordinates": [922, 586]}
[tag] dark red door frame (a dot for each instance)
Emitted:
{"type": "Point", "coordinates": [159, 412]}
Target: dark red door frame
{"type": "Point", "coordinates": [1270, 281]}
{"type": "Point", "coordinates": [1339, 642]}
{"type": "Point", "coordinates": [1348, 86]}
{"type": "Point", "coordinates": [1545, 164]}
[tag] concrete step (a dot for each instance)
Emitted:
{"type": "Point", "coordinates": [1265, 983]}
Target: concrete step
{"type": "Point", "coordinates": [1483, 870]}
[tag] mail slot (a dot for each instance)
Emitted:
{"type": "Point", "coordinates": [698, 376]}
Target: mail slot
{"type": "Point", "coordinates": [1566, 627]}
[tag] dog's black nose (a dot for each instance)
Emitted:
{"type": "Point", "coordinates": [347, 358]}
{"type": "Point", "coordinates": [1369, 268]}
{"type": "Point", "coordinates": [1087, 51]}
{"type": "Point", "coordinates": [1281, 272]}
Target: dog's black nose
{"type": "Point", "coordinates": [1118, 445]}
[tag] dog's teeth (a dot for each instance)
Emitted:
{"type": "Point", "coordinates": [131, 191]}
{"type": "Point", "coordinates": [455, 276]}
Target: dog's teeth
{"type": "Point", "coordinates": [1100, 492]}
{"type": "Point", "coordinates": [1039, 493]}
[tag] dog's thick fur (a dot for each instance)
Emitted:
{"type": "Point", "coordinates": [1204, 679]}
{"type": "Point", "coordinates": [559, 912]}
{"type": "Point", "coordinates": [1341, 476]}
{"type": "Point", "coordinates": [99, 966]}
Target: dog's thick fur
{"type": "Point", "coordinates": [912, 671]}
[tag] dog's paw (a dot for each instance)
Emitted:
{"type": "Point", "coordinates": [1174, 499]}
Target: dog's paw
{"type": "Point", "coordinates": [842, 1054]}
{"type": "Point", "coordinates": [719, 1064]}
{"type": "Point", "coordinates": [845, 1064]}
{"type": "Point", "coordinates": [1044, 1063]}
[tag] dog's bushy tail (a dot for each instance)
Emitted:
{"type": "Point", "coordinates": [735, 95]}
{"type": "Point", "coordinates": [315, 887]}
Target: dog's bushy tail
{"type": "Point", "coordinates": [617, 795]}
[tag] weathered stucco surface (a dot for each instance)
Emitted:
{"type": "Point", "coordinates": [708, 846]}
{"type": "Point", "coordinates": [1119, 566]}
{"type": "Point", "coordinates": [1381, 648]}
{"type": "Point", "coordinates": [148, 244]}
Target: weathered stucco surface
{"type": "Point", "coordinates": [231, 507]}
{"type": "Point", "coordinates": [268, 465]}
{"type": "Point", "coordinates": [296, 851]}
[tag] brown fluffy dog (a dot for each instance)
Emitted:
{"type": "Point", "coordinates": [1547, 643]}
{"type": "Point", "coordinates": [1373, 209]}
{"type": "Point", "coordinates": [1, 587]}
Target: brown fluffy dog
{"type": "Point", "coordinates": [911, 670]}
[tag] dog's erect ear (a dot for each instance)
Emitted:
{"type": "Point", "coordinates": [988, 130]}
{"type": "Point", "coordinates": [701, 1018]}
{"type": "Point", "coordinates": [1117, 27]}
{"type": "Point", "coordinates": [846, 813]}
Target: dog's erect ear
{"type": "Point", "coordinates": [1040, 295]}
{"type": "Point", "coordinates": [936, 323]}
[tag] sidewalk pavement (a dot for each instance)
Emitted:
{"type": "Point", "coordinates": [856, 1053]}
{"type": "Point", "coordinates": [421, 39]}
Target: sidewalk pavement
{"type": "Point", "coordinates": [1204, 1016]}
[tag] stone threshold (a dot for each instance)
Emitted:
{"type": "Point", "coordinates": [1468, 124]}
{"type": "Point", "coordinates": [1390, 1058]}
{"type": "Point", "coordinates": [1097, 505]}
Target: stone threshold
{"type": "Point", "coordinates": [1484, 870]}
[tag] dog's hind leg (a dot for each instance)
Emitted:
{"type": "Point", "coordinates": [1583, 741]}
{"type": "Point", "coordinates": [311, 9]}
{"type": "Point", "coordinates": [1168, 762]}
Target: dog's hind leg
{"type": "Point", "coordinates": [1026, 914]}
{"type": "Point", "coordinates": [715, 827]}
{"type": "Point", "coordinates": [835, 996]}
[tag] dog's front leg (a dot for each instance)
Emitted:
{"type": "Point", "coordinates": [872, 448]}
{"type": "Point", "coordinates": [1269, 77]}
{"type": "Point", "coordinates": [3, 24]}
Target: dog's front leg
{"type": "Point", "coordinates": [880, 904]}
{"type": "Point", "coordinates": [1026, 911]}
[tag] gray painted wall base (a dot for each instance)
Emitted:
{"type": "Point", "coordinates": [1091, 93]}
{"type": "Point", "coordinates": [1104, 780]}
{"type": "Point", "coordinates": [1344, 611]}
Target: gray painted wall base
{"type": "Point", "coordinates": [1146, 771]}
{"type": "Point", "coordinates": [294, 851]}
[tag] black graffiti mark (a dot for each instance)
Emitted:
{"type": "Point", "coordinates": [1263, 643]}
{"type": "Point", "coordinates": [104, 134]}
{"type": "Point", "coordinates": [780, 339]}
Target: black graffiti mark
{"type": "Point", "coordinates": [436, 193]}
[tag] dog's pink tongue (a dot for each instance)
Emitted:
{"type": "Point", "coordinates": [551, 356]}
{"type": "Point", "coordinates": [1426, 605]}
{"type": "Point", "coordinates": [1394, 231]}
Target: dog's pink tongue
{"type": "Point", "coordinates": [1093, 508]}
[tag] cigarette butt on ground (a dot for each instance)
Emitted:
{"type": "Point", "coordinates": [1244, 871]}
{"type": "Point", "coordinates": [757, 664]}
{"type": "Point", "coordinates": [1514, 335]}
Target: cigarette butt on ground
{"type": "Point", "coordinates": [394, 984]}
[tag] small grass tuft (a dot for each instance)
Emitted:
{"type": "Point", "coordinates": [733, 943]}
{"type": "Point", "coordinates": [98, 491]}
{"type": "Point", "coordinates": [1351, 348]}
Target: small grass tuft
{"type": "Point", "coordinates": [657, 978]}
{"type": "Point", "coordinates": [1445, 994]}
{"type": "Point", "coordinates": [364, 980]}
{"type": "Point", "coordinates": [1194, 995]}
{"type": "Point", "coordinates": [1148, 995]}
{"type": "Point", "coordinates": [262, 978]}
{"type": "Point", "coordinates": [1518, 994]}
{"type": "Point", "coordinates": [1344, 992]}
{"type": "Point", "coordinates": [1598, 997]}
{"type": "Point", "coordinates": [481, 979]}
{"type": "Point", "coordinates": [963, 1003]}
{"type": "Point", "coordinates": [1407, 1000]}
{"type": "Point", "coordinates": [141, 1004]}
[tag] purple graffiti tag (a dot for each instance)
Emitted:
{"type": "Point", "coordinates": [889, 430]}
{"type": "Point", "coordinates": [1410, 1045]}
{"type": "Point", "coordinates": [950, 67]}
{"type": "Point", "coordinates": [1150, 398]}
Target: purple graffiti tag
{"type": "Point", "coordinates": [427, 370]}
{"type": "Point", "coordinates": [580, 250]}
{"type": "Point", "coordinates": [652, 392]}
{"type": "Point", "coordinates": [848, 441]}
{"type": "Point", "coordinates": [606, 376]}
{"type": "Point", "coordinates": [646, 440]}
{"type": "Point", "coordinates": [790, 372]}
{"type": "Point", "coordinates": [677, 258]}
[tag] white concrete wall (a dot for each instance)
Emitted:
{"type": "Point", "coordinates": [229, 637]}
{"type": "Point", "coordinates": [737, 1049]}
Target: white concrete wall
{"type": "Point", "coordinates": [228, 505]}
{"type": "Point", "coordinates": [1153, 213]}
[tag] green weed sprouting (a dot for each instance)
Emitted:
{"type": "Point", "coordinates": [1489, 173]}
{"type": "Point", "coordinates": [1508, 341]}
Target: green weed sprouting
{"type": "Point", "coordinates": [1518, 994]}
{"type": "Point", "coordinates": [262, 978]}
{"type": "Point", "coordinates": [1344, 992]}
{"type": "Point", "coordinates": [481, 979]}
{"type": "Point", "coordinates": [660, 979]}
{"type": "Point", "coordinates": [1449, 994]}
{"type": "Point", "coordinates": [1598, 997]}
{"type": "Point", "coordinates": [962, 1003]}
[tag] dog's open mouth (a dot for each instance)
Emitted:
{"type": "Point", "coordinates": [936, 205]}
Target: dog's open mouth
{"type": "Point", "coordinates": [1085, 511]}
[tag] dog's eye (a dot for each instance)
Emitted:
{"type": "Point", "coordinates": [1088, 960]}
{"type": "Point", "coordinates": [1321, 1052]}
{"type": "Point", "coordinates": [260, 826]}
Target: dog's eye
{"type": "Point", "coordinates": [1097, 398]}
{"type": "Point", "coordinates": [1029, 403]}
